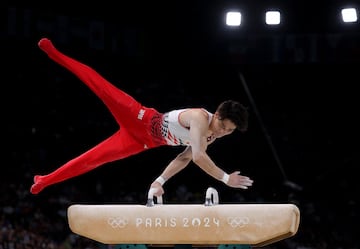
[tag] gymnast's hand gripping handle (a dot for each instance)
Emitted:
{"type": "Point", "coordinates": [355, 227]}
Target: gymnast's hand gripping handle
{"type": "Point", "coordinates": [150, 200]}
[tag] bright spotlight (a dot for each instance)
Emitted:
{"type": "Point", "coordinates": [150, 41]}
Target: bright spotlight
{"type": "Point", "coordinates": [272, 17]}
{"type": "Point", "coordinates": [349, 15]}
{"type": "Point", "coordinates": [233, 18]}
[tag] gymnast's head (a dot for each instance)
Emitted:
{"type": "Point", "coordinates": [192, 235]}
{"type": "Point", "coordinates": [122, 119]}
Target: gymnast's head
{"type": "Point", "coordinates": [231, 115]}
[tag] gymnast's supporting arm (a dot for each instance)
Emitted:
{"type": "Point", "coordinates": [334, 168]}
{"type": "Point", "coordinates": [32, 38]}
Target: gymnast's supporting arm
{"type": "Point", "coordinates": [174, 167]}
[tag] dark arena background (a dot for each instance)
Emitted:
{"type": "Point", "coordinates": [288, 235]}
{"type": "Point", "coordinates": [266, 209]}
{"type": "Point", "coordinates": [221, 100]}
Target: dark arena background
{"type": "Point", "coordinates": [299, 80]}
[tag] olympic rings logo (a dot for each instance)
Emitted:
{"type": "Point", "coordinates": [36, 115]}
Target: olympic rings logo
{"type": "Point", "coordinates": [118, 222]}
{"type": "Point", "coordinates": [238, 221]}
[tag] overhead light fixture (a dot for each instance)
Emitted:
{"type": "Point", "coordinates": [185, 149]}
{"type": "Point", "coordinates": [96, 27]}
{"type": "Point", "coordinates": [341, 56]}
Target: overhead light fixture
{"type": "Point", "coordinates": [233, 18]}
{"type": "Point", "coordinates": [349, 15]}
{"type": "Point", "coordinates": [272, 17]}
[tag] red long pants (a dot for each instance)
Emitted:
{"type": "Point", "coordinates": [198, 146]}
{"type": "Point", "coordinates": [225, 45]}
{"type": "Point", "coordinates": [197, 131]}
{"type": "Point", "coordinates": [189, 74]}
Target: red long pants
{"type": "Point", "coordinates": [137, 123]}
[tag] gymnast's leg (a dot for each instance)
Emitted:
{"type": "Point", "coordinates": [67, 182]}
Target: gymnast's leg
{"type": "Point", "coordinates": [124, 108]}
{"type": "Point", "coordinates": [119, 145]}
{"type": "Point", "coordinates": [118, 102]}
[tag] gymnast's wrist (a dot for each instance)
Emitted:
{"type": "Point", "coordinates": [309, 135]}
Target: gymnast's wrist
{"type": "Point", "coordinates": [160, 180]}
{"type": "Point", "coordinates": [225, 178]}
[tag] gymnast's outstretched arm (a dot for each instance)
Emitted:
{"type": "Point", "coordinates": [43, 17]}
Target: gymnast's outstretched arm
{"type": "Point", "coordinates": [199, 142]}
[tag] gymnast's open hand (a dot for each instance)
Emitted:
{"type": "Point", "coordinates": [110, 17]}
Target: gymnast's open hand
{"type": "Point", "coordinates": [239, 181]}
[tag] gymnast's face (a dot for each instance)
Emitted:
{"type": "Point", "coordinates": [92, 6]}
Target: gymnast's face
{"type": "Point", "coordinates": [222, 127]}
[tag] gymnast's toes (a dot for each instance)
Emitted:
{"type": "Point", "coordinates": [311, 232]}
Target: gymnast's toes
{"type": "Point", "coordinates": [37, 186]}
{"type": "Point", "coordinates": [45, 44]}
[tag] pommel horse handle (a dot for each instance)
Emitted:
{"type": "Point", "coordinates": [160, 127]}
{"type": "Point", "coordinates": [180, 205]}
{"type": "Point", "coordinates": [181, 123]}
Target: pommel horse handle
{"type": "Point", "coordinates": [211, 197]}
{"type": "Point", "coordinates": [150, 199]}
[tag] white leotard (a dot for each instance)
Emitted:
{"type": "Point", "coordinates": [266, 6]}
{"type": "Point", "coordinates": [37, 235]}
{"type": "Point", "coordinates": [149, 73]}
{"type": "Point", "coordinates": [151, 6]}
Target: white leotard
{"type": "Point", "coordinates": [173, 131]}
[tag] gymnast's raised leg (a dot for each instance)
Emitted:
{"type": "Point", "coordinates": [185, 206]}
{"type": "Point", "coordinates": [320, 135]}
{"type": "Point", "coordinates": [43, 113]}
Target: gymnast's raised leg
{"type": "Point", "coordinates": [129, 141]}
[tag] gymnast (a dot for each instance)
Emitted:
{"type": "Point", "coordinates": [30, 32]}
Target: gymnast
{"type": "Point", "coordinates": [142, 128]}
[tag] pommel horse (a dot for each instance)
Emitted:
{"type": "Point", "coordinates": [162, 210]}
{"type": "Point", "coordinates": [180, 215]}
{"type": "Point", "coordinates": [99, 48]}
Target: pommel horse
{"type": "Point", "coordinates": [210, 224]}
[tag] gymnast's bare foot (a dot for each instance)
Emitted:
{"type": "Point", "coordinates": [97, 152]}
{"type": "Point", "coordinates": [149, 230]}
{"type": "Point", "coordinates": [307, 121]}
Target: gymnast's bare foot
{"type": "Point", "coordinates": [46, 45]}
{"type": "Point", "coordinates": [37, 186]}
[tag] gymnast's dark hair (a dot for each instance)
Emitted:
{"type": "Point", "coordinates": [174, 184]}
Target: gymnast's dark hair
{"type": "Point", "coordinates": [235, 112]}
